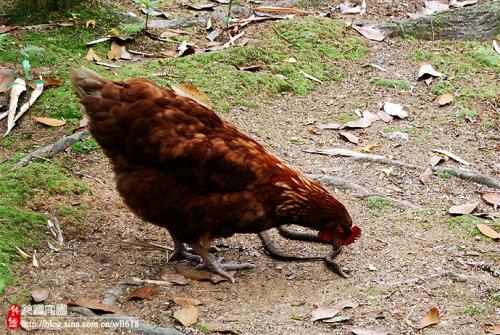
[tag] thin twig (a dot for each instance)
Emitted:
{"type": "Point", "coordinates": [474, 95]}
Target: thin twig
{"type": "Point", "coordinates": [455, 275]}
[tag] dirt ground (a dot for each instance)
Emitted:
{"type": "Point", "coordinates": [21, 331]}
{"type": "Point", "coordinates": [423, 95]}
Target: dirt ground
{"type": "Point", "coordinates": [397, 266]}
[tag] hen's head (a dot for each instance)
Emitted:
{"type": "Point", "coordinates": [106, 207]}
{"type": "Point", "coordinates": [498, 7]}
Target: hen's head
{"type": "Point", "coordinates": [308, 204]}
{"type": "Point", "coordinates": [340, 230]}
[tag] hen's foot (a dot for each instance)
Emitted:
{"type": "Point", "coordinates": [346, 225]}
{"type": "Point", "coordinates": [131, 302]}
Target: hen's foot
{"type": "Point", "coordinates": [210, 263]}
{"type": "Point", "coordinates": [180, 252]}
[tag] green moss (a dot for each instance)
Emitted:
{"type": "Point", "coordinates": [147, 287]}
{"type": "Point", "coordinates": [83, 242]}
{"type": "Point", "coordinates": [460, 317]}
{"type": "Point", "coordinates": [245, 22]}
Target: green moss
{"type": "Point", "coordinates": [68, 211]}
{"type": "Point", "coordinates": [487, 56]}
{"type": "Point", "coordinates": [444, 175]}
{"type": "Point", "coordinates": [344, 118]}
{"type": "Point", "coordinates": [402, 85]}
{"type": "Point", "coordinates": [86, 146]}
{"type": "Point", "coordinates": [377, 204]}
{"type": "Point", "coordinates": [21, 227]}
{"type": "Point", "coordinates": [465, 224]}
{"type": "Point", "coordinates": [373, 292]}
{"type": "Point", "coordinates": [475, 308]}
{"type": "Point", "coordinates": [465, 113]}
{"type": "Point", "coordinates": [490, 125]}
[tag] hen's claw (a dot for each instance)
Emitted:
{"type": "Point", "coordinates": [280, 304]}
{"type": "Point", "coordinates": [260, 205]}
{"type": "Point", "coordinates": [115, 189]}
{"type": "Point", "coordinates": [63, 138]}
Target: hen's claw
{"type": "Point", "coordinates": [210, 263]}
{"type": "Point", "coordinates": [180, 252]}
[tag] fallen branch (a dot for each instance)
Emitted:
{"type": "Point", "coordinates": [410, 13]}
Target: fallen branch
{"type": "Point", "coordinates": [457, 172]}
{"type": "Point", "coordinates": [127, 322]}
{"type": "Point", "coordinates": [360, 190]}
{"type": "Point", "coordinates": [58, 146]}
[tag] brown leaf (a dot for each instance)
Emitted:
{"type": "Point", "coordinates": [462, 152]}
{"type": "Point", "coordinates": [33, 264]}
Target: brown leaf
{"type": "Point", "coordinates": [360, 331]}
{"type": "Point", "coordinates": [494, 329]}
{"type": "Point", "coordinates": [445, 99]}
{"type": "Point", "coordinates": [185, 301]}
{"type": "Point", "coordinates": [146, 292]}
{"type": "Point", "coordinates": [50, 121]}
{"type": "Point", "coordinates": [359, 123]}
{"type": "Point", "coordinates": [185, 49]}
{"type": "Point", "coordinates": [329, 312]}
{"type": "Point", "coordinates": [369, 32]}
{"type": "Point", "coordinates": [192, 273]}
{"type": "Point", "coordinates": [349, 137]}
{"type": "Point", "coordinates": [492, 198]}
{"type": "Point", "coordinates": [436, 159]}
{"type": "Point", "coordinates": [116, 51]}
{"type": "Point", "coordinates": [488, 231]}
{"type": "Point", "coordinates": [39, 295]}
{"type": "Point", "coordinates": [49, 81]}
{"type": "Point", "coordinates": [92, 56]}
{"type": "Point", "coordinates": [220, 328]}
{"type": "Point", "coordinates": [96, 305]}
{"type": "Point", "coordinates": [463, 209]}
{"type": "Point", "coordinates": [175, 278]}
{"type": "Point", "coordinates": [425, 177]}
{"type": "Point", "coordinates": [187, 316]}
{"type": "Point", "coordinates": [281, 10]}
{"type": "Point", "coordinates": [368, 147]}
{"type": "Point", "coordinates": [173, 32]}
{"type": "Point", "coordinates": [430, 318]}
{"type": "Point", "coordinates": [192, 92]}
{"type": "Point", "coordinates": [6, 29]}
{"type": "Point", "coordinates": [452, 156]}
{"type": "Point", "coordinates": [7, 76]}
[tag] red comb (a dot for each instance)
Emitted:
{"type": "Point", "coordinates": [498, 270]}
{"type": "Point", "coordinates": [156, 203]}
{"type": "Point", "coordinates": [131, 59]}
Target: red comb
{"type": "Point", "coordinates": [355, 234]}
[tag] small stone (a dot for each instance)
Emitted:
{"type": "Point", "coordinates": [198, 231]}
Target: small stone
{"type": "Point", "coordinates": [398, 135]}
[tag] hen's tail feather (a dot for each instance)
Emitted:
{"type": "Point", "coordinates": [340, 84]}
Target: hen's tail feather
{"type": "Point", "coordinates": [87, 82]}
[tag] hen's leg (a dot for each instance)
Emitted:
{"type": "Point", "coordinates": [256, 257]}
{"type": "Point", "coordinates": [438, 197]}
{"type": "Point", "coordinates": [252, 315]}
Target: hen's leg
{"type": "Point", "coordinates": [180, 252]}
{"type": "Point", "coordinates": [213, 265]}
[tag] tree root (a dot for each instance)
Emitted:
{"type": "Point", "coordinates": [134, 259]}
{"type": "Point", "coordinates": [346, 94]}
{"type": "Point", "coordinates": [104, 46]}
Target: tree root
{"type": "Point", "coordinates": [457, 172]}
{"type": "Point", "coordinates": [58, 146]}
{"type": "Point", "coordinates": [361, 191]}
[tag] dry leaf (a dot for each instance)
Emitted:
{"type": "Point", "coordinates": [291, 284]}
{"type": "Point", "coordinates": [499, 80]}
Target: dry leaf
{"type": "Point", "coordinates": [496, 47]}
{"type": "Point", "coordinates": [49, 81]}
{"type": "Point", "coordinates": [7, 76]}
{"type": "Point", "coordinates": [368, 147]}
{"type": "Point", "coordinates": [359, 123]}
{"type": "Point", "coordinates": [349, 137]}
{"type": "Point", "coordinates": [445, 99]}
{"type": "Point", "coordinates": [192, 92]}
{"type": "Point", "coordinates": [220, 328]}
{"type": "Point", "coordinates": [187, 316]}
{"type": "Point", "coordinates": [384, 116]}
{"type": "Point", "coordinates": [336, 319]}
{"type": "Point", "coordinates": [462, 3]}
{"type": "Point", "coordinates": [6, 29]}
{"type": "Point", "coordinates": [251, 68]}
{"type": "Point", "coordinates": [99, 40]}
{"type": "Point", "coordinates": [173, 32]}
{"type": "Point", "coordinates": [175, 278]}
{"type": "Point", "coordinates": [436, 159]}
{"type": "Point", "coordinates": [16, 90]}
{"type": "Point", "coordinates": [185, 49]}
{"type": "Point", "coordinates": [92, 56]}
{"type": "Point", "coordinates": [488, 231]}
{"type": "Point", "coordinates": [360, 331]}
{"type": "Point", "coordinates": [281, 10]}
{"type": "Point", "coordinates": [347, 8]}
{"type": "Point", "coordinates": [370, 32]}
{"type": "Point", "coordinates": [185, 301]}
{"type": "Point", "coordinates": [492, 198]}
{"type": "Point", "coordinates": [116, 51]}
{"type": "Point", "coordinates": [291, 60]}
{"type": "Point", "coordinates": [494, 329]}
{"type": "Point", "coordinates": [431, 318]}
{"type": "Point", "coordinates": [213, 35]}
{"type": "Point", "coordinates": [39, 295]}
{"type": "Point", "coordinates": [96, 305]}
{"type": "Point", "coordinates": [308, 76]}
{"type": "Point", "coordinates": [452, 156]}
{"type": "Point", "coordinates": [394, 110]}
{"type": "Point", "coordinates": [426, 71]}
{"type": "Point", "coordinates": [204, 6]}
{"type": "Point", "coordinates": [146, 292]}
{"type": "Point", "coordinates": [329, 312]}
{"type": "Point", "coordinates": [50, 121]}
{"type": "Point", "coordinates": [425, 177]}
{"type": "Point", "coordinates": [463, 209]}
{"type": "Point", "coordinates": [125, 54]}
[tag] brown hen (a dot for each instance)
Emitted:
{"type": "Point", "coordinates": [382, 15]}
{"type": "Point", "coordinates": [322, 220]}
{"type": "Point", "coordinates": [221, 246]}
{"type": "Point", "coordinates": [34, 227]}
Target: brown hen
{"type": "Point", "coordinates": [180, 166]}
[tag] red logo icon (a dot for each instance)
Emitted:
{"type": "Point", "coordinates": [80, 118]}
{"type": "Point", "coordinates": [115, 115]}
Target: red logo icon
{"type": "Point", "coordinates": [14, 317]}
